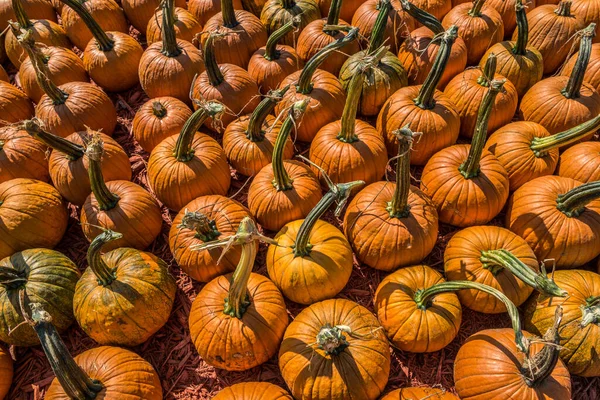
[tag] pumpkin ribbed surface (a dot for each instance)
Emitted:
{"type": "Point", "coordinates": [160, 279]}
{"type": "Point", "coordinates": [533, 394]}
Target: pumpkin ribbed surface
{"type": "Point", "coordinates": [21, 156]}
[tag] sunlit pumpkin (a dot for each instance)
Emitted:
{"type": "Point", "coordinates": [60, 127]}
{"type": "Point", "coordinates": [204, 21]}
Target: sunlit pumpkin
{"type": "Point", "coordinates": [509, 13]}
{"type": "Point", "coordinates": [580, 162]}
{"type": "Point", "coordinates": [203, 10]}
{"type": "Point", "coordinates": [592, 72]}
{"type": "Point", "coordinates": [14, 104]}
{"type": "Point", "coordinates": [412, 393]}
{"type": "Point", "coordinates": [141, 12]}
{"type": "Point", "coordinates": [21, 156]}
{"type": "Point", "coordinates": [253, 391]}
{"type": "Point", "coordinates": [347, 9]}
{"type": "Point", "coordinates": [185, 25]}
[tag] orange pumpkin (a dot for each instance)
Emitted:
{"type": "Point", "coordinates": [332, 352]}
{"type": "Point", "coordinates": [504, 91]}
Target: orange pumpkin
{"type": "Point", "coordinates": [592, 72]}
{"type": "Point", "coordinates": [437, 8]}
{"type": "Point", "coordinates": [545, 212]}
{"type": "Point", "coordinates": [21, 156]}
{"type": "Point", "coordinates": [392, 225]}
{"type": "Point", "coordinates": [190, 164]}
{"type": "Point", "coordinates": [425, 109]}
{"type": "Point", "coordinates": [467, 183]}
{"type": "Point", "coordinates": [141, 12]}
{"type": "Point", "coordinates": [249, 141]}
{"type": "Point", "coordinates": [278, 13]}
{"type": "Point", "coordinates": [347, 9]}
{"type": "Point", "coordinates": [203, 220]}
{"type": "Point", "coordinates": [253, 391]}
{"type": "Point", "coordinates": [185, 25]}
{"type": "Point", "coordinates": [509, 13]}
{"type": "Point", "coordinates": [14, 105]}
{"type": "Point", "coordinates": [411, 393]}
{"type": "Point", "coordinates": [245, 305]}
{"type": "Point", "coordinates": [118, 205]}
{"type": "Point", "coordinates": [3, 75]}
{"type": "Point", "coordinates": [283, 191]}
{"type": "Point", "coordinates": [587, 11]}
{"type": "Point", "coordinates": [580, 162]}
{"type": "Point", "coordinates": [6, 372]}
{"type": "Point", "coordinates": [343, 338]}
{"type": "Point", "coordinates": [203, 10]}
{"type": "Point", "coordinates": [38, 9]}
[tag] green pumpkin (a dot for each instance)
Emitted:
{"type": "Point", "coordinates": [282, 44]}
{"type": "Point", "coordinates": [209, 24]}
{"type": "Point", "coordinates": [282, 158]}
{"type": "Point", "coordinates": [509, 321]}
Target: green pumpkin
{"type": "Point", "coordinates": [277, 13]}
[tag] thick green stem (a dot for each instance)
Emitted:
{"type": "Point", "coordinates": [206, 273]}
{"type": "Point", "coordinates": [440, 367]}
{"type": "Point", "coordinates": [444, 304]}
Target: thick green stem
{"type": "Point", "coordinates": [183, 151]}
{"type": "Point", "coordinates": [520, 47]}
{"type": "Point", "coordinates": [574, 201]}
{"type": "Point", "coordinates": [426, 93]}
{"type": "Point", "coordinates": [21, 15]}
{"type": "Point", "coordinates": [305, 79]}
{"type": "Point", "coordinates": [333, 17]}
{"type": "Point", "coordinates": [255, 132]}
{"type": "Point", "coordinates": [332, 339]}
{"type": "Point", "coordinates": [215, 76]}
{"type": "Point", "coordinates": [378, 32]}
{"type": "Point", "coordinates": [158, 109]}
{"type": "Point", "coordinates": [103, 272]}
{"type": "Point", "coordinates": [71, 150]}
{"type": "Point", "coordinates": [205, 228]}
{"type": "Point", "coordinates": [228, 13]}
{"type": "Point", "coordinates": [541, 146]}
{"type": "Point", "coordinates": [74, 381]}
{"type": "Point", "coordinates": [424, 297]}
{"type": "Point", "coordinates": [271, 52]}
{"type": "Point", "coordinates": [12, 279]}
{"type": "Point", "coordinates": [348, 130]}
{"type": "Point", "coordinates": [169, 38]}
{"type": "Point", "coordinates": [564, 9]}
{"type": "Point", "coordinates": [105, 43]}
{"type": "Point", "coordinates": [237, 300]}
{"type": "Point", "coordinates": [475, 11]}
{"type": "Point", "coordinates": [399, 207]}
{"type": "Point", "coordinates": [106, 200]}
{"type": "Point", "coordinates": [423, 17]}
{"type": "Point", "coordinates": [470, 168]}
{"type": "Point", "coordinates": [489, 71]}
{"type": "Point", "coordinates": [287, 4]}
{"type": "Point", "coordinates": [573, 88]}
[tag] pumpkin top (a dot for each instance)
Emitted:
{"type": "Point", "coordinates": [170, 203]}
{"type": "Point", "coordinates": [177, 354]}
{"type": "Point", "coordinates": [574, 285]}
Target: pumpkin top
{"type": "Point", "coordinates": [573, 88]}
{"type": "Point", "coordinates": [21, 15]}
{"type": "Point", "coordinates": [169, 37]}
{"type": "Point", "coordinates": [573, 203]}
{"type": "Point", "coordinates": [475, 10]}
{"type": "Point", "coordinates": [378, 32]}
{"type": "Point", "coordinates": [105, 43]}
{"type": "Point", "coordinates": [72, 150]}
{"type": "Point", "coordinates": [95, 150]}
{"type": "Point", "coordinates": [271, 52]}
{"type": "Point", "coordinates": [183, 151]}
{"type": "Point", "coordinates": [520, 47]}
{"type": "Point", "coordinates": [255, 132]}
{"type": "Point", "coordinates": [213, 72]}
{"type": "Point", "coordinates": [333, 16]}
{"type": "Point", "coordinates": [398, 206]}
{"type": "Point", "coordinates": [205, 228]}
{"type": "Point", "coordinates": [423, 17]}
{"type": "Point", "coordinates": [103, 272]}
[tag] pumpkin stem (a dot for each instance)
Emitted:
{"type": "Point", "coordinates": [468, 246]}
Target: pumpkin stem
{"type": "Point", "coordinates": [573, 203]}
{"type": "Point", "coordinates": [255, 132]}
{"type": "Point", "coordinates": [333, 16]}
{"type": "Point", "coordinates": [183, 151]}
{"type": "Point", "coordinates": [377, 35]}
{"type": "Point", "coordinates": [497, 260]}
{"type": "Point", "coordinates": [106, 200]}
{"type": "Point", "coordinates": [271, 52]}
{"type": "Point", "coordinates": [590, 313]}
{"type": "Point", "coordinates": [169, 38]}
{"type": "Point", "coordinates": [281, 179]}
{"type": "Point", "coordinates": [424, 297]}
{"type": "Point", "coordinates": [539, 367]}
{"type": "Point", "coordinates": [12, 279]}
{"type": "Point", "coordinates": [215, 76]}
{"type": "Point", "coordinates": [38, 62]}
{"type": "Point", "coordinates": [573, 88]}
{"type": "Point", "coordinates": [287, 4]}
{"type": "Point", "coordinates": [489, 71]}
{"type": "Point", "coordinates": [105, 43]}
{"type": "Point", "coordinates": [103, 272]}
{"type": "Point", "coordinates": [520, 47]}
{"type": "Point", "coordinates": [22, 17]}
{"type": "Point", "coordinates": [398, 207]}
{"type": "Point", "coordinates": [348, 122]}
{"type": "Point", "coordinates": [332, 340]}
{"type": "Point", "coordinates": [564, 9]}
{"type": "Point", "coordinates": [425, 98]}
{"type": "Point", "coordinates": [74, 381]}
{"type": "Point", "coordinates": [475, 11]}
{"type": "Point", "coordinates": [423, 17]}
{"type": "Point", "coordinates": [470, 168]}
{"type": "Point", "coordinates": [158, 109]}
{"type": "Point", "coordinates": [541, 146]}
{"type": "Point", "coordinates": [73, 151]}
{"type": "Point", "coordinates": [228, 13]}
{"type": "Point", "coordinates": [305, 79]}
{"type": "Point", "coordinates": [205, 228]}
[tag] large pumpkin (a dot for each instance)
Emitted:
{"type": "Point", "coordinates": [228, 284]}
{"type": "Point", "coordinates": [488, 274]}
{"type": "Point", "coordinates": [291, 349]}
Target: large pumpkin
{"type": "Point", "coordinates": [342, 338]}
{"type": "Point", "coordinates": [587, 11]}
{"type": "Point", "coordinates": [21, 156]}
{"type": "Point", "coordinates": [253, 391]}
{"type": "Point", "coordinates": [6, 372]}
{"type": "Point", "coordinates": [14, 104]}
{"type": "Point", "coordinates": [580, 162]}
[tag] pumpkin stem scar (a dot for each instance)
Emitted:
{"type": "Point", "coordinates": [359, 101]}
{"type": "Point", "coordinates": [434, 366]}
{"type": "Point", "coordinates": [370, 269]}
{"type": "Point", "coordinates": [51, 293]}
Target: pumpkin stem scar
{"type": "Point", "coordinates": [105, 43]}
{"type": "Point", "coordinates": [158, 109]}
{"type": "Point", "coordinates": [398, 207]}
{"type": "Point", "coordinates": [12, 279]}
{"type": "Point", "coordinates": [205, 228]}
{"type": "Point", "coordinates": [183, 151]}
{"type": "Point", "coordinates": [573, 87]}
{"type": "Point", "coordinates": [105, 198]}
{"type": "Point", "coordinates": [103, 272]}
{"type": "Point", "coordinates": [590, 312]}
{"type": "Point", "coordinates": [170, 48]}
{"type": "Point", "coordinates": [271, 52]}
{"type": "Point", "coordinates": [332, 340]}
{"type": "Point", "coordinates": [573, 203]}
{"type": "Point", "coordinates": [255, 132]}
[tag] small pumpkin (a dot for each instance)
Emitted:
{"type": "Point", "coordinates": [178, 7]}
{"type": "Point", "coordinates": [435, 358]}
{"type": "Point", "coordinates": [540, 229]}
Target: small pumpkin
{"type": "Point", "coordinates": [185, 25]}
{"type": "Point", "coordinates": [190, 164]}
{"type": "Point", "coordinates": [68, 163]}
{"type": "Point", "coordinates": [168, 67]}
{"type": "Point", "coordinates": [7, 371]}
{"type": "Point", "coordinates": [278, 13]}
{"type": "Point", "coordinates": [203, 220]}
{"type": "Point", "coordinates": [14, 104]}
{"type": "Point", "coordinates": [521, 64]}
{"type": "Point", "coordinates": [587, 11]}
{"type": "Point", "coordinates": [411, 393]}
{"type": "Point", "coordinates": [592, 72]}
{"type": "Point", "coordinates": [157, 119]}
{"type": "Point", "coordinates": [33, 215]}
{"type": "Point", "coordinates": [21, 156]}
{"type": "Point", "coordinates": [117, 205]}
{"type": "Point", "coordinates": [509, 13]}
{"type": "Point", "coordinates": [141, 12]}
{"type": "Point", "coordinates": [580, 162]}
{"type": "Point", "coordinates": [45, 275]}
{"type": "Point", "coordinates": [347, 9]}
{"type": "Point", "coordinates": [284, 190]}
{"type": "Point", "coordinates": [249, 141]}
{"type": "Point", "coordinates": [203, 10]}
{"type": "Point", "coordinates": [425, 109]}
{"type": "Point", "coordinates": [245, 305]}
{"type": "Point", "coordinates": [546, 210]}
{"type": "Point", "coordinates": [253, 391]}
{"type": "Point", "coordinates": [339, 336]}
{"type": "Point", "coordinates": [467, 183]}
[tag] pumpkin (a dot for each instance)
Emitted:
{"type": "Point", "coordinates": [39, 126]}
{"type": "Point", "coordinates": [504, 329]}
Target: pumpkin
{"type": "Point", "coordinates": [168, 67]}
{"type": "Point", "coordinates": [592, 72]}
{"type": "Point", "coordinates": [185, 25]}
{"type": "Point", "coordinates": [141, 12]}
{"type": "Point", "coordinates": [384, 75]}
{"type": "Point", "coordinates": [284, 190]}
{"type": "Point", "coordinates": [203, 10]}
{"type": "Point", "coordinates": [559, 103]}
{"type": "Point", "coordinates": [425, 109]}
{"type": "Point", "coordinates": [190, 164]}
{"type": "Point", "coordinates": [249, 141]}
{"type": "Point", "coordinates": [38, 9]}
{"type": "Point", "coordinates": [68, 162]}
{"type": "Point", "coordinates": [349, 149]}
{"type": "Point", "coordinates": [528, 151]}
{"type": "Point", "coordinates": [6, 367]}
{"type": "Point", "coordinates": [342, 338]}
{"type": "Point", "coordinates": [117, 205]}
{"type": "Point", "coordinates": [104, 372]}
{"type": "Point", "coordinates": [580, 162]}
{"type": "Point", "coordinates": [270, 64]}
{"type": "Point", "coordinates": [467, 183]}
{"type": "Point", "coordinates": [21, 156]}
{"type": "Point", "coordinates": [3, 75]}
{"type": "Point", "coordinates": [489, 364]}
{"type": "Point", "coordinates": [521, 64]}
{"type": "Point", "coordinates": [347, 9]}
{"type": "Point", "coordinates": [468, 89]}
{"type": "Point", "coordinates": [278, 13]}
{"type": "Point", "coordinates": [313, 249]}
{"type": "Point", "coordinates": [546, 210]}
{"type": "Point", "coordinates": [41, 274]}
{"type": "Point", "coordinates": [107, 14]}
{"type": "Point", "coordinates": [33, 215]}
{"type": "Point", "coordinates": [225, 83]}
{"type": "Point", "coordinates": [322, 32]}
{"type": "Point", "coordinates": [418, 52]}
{"type": "Point", "coordinates": [322, 89]}
{"type": "Point", "coordinates": [157, 119]}
{"type": "Point", "coordinates": [579, 335]}
{"type": "Point", "coordinates": [254, 6]}
{"type": "Point", "coordinates": [587, 11]}
{"type": "Point", "coordinates": [551, 31]}
{"type": "Point", "coordinates": [242, 34]}
{"type": "Point", "coordinates": [124, 296]}
{"type": "Point", "coordinates": [411, 393]}
{"type": "Point", "coordinates": [509, 13]}
{"type": "Point", "coordinates": [479, 25]}
{"type": "Point", "coordinates": [14, 104]}
{"type": "Point", "coordinates": [253, 391]}
{"type": "Point", "coordinates": [419, 311]}
{"type": "Point", "coordinates": [437, 8]}
{"type": "Point", "coordinates": [245, 305]}
{"type": "Point", "coordinates": [203, 220]}
{"type": "Point", "coordinates": [392, 225]}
